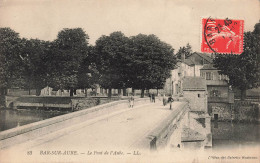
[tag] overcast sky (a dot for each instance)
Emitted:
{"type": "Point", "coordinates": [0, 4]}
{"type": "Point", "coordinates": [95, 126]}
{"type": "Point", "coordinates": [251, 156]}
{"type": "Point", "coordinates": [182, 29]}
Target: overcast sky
{"type": "Point", "coordinates": [173, 21]}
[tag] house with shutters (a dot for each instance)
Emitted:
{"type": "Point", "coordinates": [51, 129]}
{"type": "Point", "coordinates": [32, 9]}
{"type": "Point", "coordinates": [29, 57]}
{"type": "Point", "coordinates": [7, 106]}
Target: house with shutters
{"type": "Point", "coordinates": [220, 95]}
{"type": "Point", "coordinates": [186, 67]}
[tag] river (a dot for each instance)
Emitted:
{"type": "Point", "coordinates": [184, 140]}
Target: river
{"type": "Point", "coordinates": [15, 118]}
{"type": "Point", "coordinates": [227, 135]}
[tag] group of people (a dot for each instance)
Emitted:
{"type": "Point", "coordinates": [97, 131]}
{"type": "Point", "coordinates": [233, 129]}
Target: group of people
{"type": "Point", "coordinates": [164, 99]}
{"type": "Point", "coordinates": [152, 99]}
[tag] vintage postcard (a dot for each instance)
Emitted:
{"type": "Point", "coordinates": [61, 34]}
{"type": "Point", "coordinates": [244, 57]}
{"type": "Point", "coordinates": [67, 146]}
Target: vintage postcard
{"type": "Point", "coordinates": [129, 81]}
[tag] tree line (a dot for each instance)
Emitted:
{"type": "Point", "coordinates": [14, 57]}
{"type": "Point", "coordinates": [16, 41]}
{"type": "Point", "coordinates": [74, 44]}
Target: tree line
{"type": "Point", "coordinates": [69, 62]}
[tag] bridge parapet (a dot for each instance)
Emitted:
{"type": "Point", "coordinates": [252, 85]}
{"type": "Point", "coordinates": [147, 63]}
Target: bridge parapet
{"type": "Point", "coordinates": [30, 131]}
{"type": "Point", "coordinates": [160, 136]}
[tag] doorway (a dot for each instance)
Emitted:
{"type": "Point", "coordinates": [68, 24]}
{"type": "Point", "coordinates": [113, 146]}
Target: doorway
{"type": "Point", "coordinates": [215, 117]}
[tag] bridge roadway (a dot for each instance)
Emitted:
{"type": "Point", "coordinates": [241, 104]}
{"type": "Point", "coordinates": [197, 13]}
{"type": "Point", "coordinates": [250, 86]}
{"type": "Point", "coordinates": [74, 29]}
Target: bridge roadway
{"type": "Point", "coordinates": [123, 129]}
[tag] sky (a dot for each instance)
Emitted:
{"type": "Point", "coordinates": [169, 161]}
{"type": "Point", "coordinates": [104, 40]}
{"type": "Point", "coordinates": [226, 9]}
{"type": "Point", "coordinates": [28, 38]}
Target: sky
{"type": "Point", "coordinates": [176, 22]}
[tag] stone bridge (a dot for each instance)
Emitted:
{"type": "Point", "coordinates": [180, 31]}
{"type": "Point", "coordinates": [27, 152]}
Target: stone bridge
{"type": "Point", "coordinates": [147, 126]}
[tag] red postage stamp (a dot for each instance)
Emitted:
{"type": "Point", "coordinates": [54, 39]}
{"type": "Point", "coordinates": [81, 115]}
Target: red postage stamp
{"type": "Point", "coordinates": [222, 36]}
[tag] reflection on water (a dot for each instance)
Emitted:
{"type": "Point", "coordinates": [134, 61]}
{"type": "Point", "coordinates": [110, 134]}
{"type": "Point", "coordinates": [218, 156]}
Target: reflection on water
{"type": "Point", "coordinates": [15, 118]}
{"type": "Point", "coordinates": [234, 135]}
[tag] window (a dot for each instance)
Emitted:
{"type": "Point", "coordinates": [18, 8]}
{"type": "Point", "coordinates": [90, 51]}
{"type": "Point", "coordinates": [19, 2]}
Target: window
{"type": "Point", "coordinates": [208, 75]}
{"type": "Point", "coordinates": [213, 76]}
{"type": "Point", "coordinates": [198, 95]}
{"type": "Point", "coordinates": [202, 74]}
{"type": "Point", "coordinates": [215, 117]}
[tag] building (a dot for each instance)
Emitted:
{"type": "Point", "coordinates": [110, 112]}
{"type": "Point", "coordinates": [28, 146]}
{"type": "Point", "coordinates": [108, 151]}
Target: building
{"type": "Point", "coordinates": [186, 67]}
{"type": "Point", "coordinates": [195, 91]}
{"type": "Point", "coordinates": [220, 96]}
{"type": "Point", "coordinates": [195, 62]}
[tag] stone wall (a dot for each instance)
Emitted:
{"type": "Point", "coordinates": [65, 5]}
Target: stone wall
{"type": "Point", "coordinates": [246, 111]}
{"type": "Point", "coordinates": [161, 135]}
{"type": "Point", "coordinates": [219, 91]}
{"type": "Point", "coordinates": [197, 100]}
{"type": "Point", "coordinates": [77, 103]}
{"type": "Point", "coordinates": [20, 92]}
{"type": "Point", "coordinates": [223, 110]}
{"type": "Point", "coordinates": [84, 103]}
{"type": "Point", "coordinates": [2, 101]}
{"type": "Point", "coordinates": [8, 101]}
{"type": "Point", "coordinates": [241, 111]}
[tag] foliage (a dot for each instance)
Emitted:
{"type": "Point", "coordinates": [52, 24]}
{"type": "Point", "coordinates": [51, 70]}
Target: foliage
{"type": "Point", "coordinates": [112, 59]}
{"type": "Point", "coordinates": [33, 55]}
{"type": "Point", "coordinates": [242, 70]}
{"type": "Point", "coordinates": [66, 57]}
{"type": "Point", "coordinates": [185, 50]}
{"type": "Point", "coordinates": [151, 62]}
{"type": "Point", "coordinates": [10, 74]}
{"type": "Point", "coordinates": [141, 62]}
{"type": "Point", "coordinates": [88, 75]}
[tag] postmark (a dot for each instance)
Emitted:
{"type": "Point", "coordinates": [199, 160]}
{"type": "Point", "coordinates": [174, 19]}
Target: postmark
{"type": "Point", "coordinates": [222, 36]}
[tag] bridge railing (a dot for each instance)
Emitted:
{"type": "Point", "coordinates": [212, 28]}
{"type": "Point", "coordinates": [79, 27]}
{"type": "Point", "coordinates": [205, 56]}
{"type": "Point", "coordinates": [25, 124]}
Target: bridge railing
{"type": "Point", "coordinates": [160, 135]}
{"type": "Point", "coordinates": [30, 131]}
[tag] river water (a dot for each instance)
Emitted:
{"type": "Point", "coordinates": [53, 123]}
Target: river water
{"type": "Point", "coordinates": [227, 135]}
{"type": "Point", "coordinates": [15, 118]}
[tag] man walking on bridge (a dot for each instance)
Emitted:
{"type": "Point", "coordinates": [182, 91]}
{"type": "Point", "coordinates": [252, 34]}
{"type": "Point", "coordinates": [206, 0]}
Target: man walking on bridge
{"type": "Point", "coordinates": [170, 100]}
{"type": "Point", "coordinates": [153, 97]}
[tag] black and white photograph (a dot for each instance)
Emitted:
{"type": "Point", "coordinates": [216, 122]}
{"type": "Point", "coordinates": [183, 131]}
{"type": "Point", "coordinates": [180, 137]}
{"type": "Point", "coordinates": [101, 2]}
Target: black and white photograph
{"type": "Point", "coordinates": [129, 81]}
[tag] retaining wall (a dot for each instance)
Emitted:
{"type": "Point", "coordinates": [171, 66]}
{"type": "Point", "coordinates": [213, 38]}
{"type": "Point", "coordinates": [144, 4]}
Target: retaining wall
{"type": "Point", "coordinates": [246, 111]}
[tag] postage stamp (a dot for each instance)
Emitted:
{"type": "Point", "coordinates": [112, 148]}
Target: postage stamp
{"type": "Point", "coordinates": [222, 36]}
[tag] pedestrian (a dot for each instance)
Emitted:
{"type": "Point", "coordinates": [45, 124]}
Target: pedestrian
{"type": "Point", "coordinates": [131, 101]}
{"type": "Point", "coordinates": [159, 97]}
{"type": "Point", "coordinates": [153, 98]}
{"type": "Point", "coordinates": [164, 100]}
{"type": "Point", "coordinates": [150, 96]}
{"type": "Point", "coordinates": [170, 100]}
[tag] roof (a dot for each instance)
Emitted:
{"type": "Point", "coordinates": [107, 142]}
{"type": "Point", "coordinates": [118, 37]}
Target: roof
{"type": "Point", "coordinates": [205, 56]}
{"type": "Point", "coordinates": [188, 62]}
{"type": "Point", "coordinates": [194, 83]}
{"type": "Point", "coordinates": [208, 67]}
{"type": "Point", "coordinates": [197, 57]}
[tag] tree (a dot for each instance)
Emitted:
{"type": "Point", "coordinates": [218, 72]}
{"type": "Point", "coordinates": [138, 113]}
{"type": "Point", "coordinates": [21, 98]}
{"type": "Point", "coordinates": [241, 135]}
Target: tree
{"type": "Point", "coordinates": [10, 67]}
{"type": "Point", "coordinates": [88, 75]}
{"type": "Point", "coordinates": [112, 58]}
{"type": "Point", "coordinates": [185, 50]}
{"type": "Point", "coordinates": [67, 54]}
{"type": "Point", "coordinates": [33, 56]}
{"type": "Point", "coordinates": [151, 62]}
{"type": "Point", "coordinates": [243, 70]}
{"type": "Point", "coordinates": [257, 28]}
